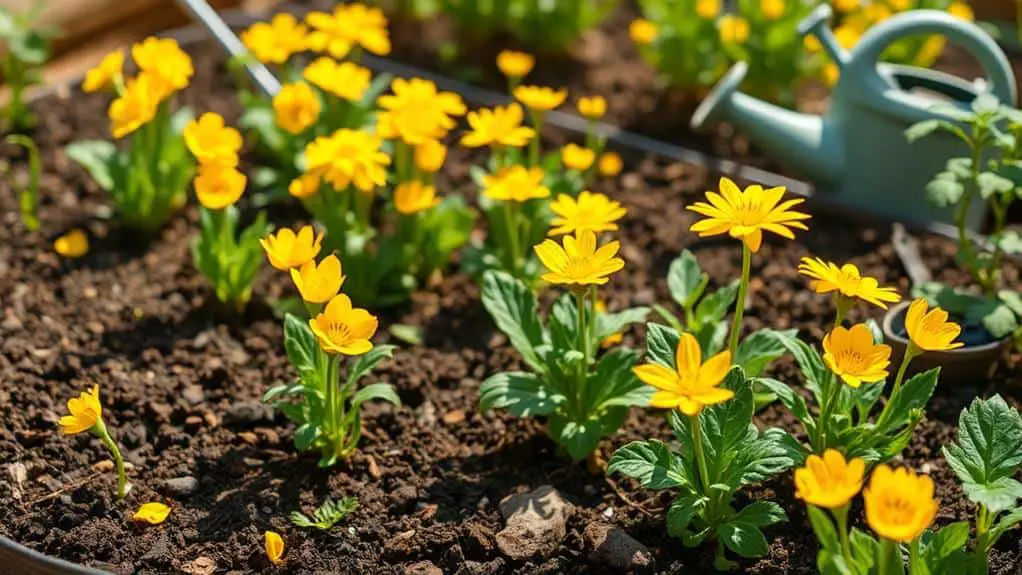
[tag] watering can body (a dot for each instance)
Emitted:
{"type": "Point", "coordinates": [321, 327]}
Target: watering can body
{"type": "Point", "coordinates": [857, 154]}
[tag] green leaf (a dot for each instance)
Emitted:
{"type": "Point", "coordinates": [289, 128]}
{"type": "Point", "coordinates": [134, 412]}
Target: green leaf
{"type": "Point", "coordinates": [563, 323]}
{"type": "Point", "coordinates": [985, 103]}
{"type": "Point", "coordinates": [911, 397]}
{"type": "Point", "coordinates": [988, 449]}
{"type": "Point", "coordinates": [714, 307]}
{"type": "Point", "coordinates": [99, 158]}
{"type": "Point", "coordinates": [523, 394]}
{"type": "Point", "coordinates": [614, 382]}
{"type": "Point", "coordinates": [301, 346]}
{"type": "Point", "coordinates": [947, 540]}
{"type": "Point", "coordinates": [661, 344]}
{"type": "Point", "coordinates": [380, 391]}
{"type": "Point", "coordinates": [1005, 523]}
{"type": "Point", "coordinates": [999, 320]}
{"type": "Point", "coordinates": [512, 305]}
{"type": "Point", "coordinates": [680, 515]}
{"type": "Point", "coordinates": [651, 462]}
{"type": "Point", "coordinates": [608, 324]}
{"type": "Point", "coordinates": [761, 513]}
{"type": "Point", "coordinates": [743, 538]}
{"type": "Point", "coordinates": [327, 515]}
{"type": "Point", "coordinates": [410, 334]}
{"type": "Point", "coordinates": [1010, 243]}
{"type": "Point", "coordinates": [790, 398]}
{"type": "Point", "coordinates": [686, 280]}
{"type": "Point", "coordinates": [305, 436]}
{"type": "Point", "coordinates": [944, 191]}
{"type": "Point", "coordinates": [823, 527]}
{"type": "Point", "coordinates": [368, 361]}
{"type": "Point", "coordinates": [997, 496]}
{"type": "Point", "coordinates": [1012, 299]}
{"type": "Point", "coordinates": [580, 439]}
{"type": "Point", "coordinates": [760, 348]}
{"type": "Point", "coordinates": [991, 184]}
{"type": "Point", "coordinates": [921, 129]}
{"type": "Point", "coordinates": [808, 359]}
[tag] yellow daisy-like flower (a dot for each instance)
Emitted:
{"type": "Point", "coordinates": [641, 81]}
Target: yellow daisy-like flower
{"type": "Point", "coordinates": [429, 156]}
{"type": "Point", "coordinates": [515, 184]}
{"type": "Point", "coordinates": [414, 197]}
{"type": "Point", "coordinates": [304, 186]}
{"type": "Point", "coordinates": [846, 5]}
{"type": "Point", "coordinates": [134, 108]}
{"type": "Point", "coordinates": [287, 250]}
{"type": "Point", "coordinates": [515, 64]}
{"type": "Point", "coordinates": [213, 142]}
{"type": "Point", "coordinates": [84, 412]}
{"type": "Point", "coordinates": [274, 545]}
{"type": "Point", "coordinates": [642, 31]}
{"type": "Point", "coordinates": [344, 329]}
{"type": "Point", "coordinates": [733, 29]}
{"type": "Point", "coordinates": [501, 126]}
{"type": "Point", "coordinates": [152, 513]}
{"type": "Point", "coordinates": [829, 481]}
{"type": "Point", "coordinates": [218, 187]}
{"type": "Point", "coordinates": [318, 283]}
{"type": "Point", "coordinates": [692, 384]}
{"type": "Point", "coordinates": [345, 80]}
{"type": "Point", "coordinates": [73, 244]}
{"type": "Point", "coordinates": [540, 98]}
{"type": "Point", "coordinates": [847, 36]}
{"type": "Point", "coordinates": [592, 108]}
{"type": "Point", "coordinates": [165, 62]}
{"type": "Point", "coordinates": [349, 25]}
{"type": "Point", "coordinates": [931, 330]}
{"type": "Point", "coordinates": [349, 157]}
{"type": "Point", "coordinates": [899, 503]}
{"type": "Point", "coordinates": [594, 212]}
{"type": "Point", "coordinates": [416, 111]}
{"type": "Point", "coordinates": [575, 157]}
{"type": "Point", "coordinates": [853, 356]}
{"type": "Point", "coordinates": [707, 9]}
{"type": "Point", "coordinates": [276, 41]}
{"type": "Point", "coordinates": [745, 215]}
{"type": "Point", "coordinates": [105, 74]}
{"type": "Point", "coordinates": [847, 282]}
{"type": "Point", "coordinates": [610, 164]}
{"type": "Point", "coordinates": [772, 9]}
{"type": "Point", "coordinates": [580, 262]}
{"type": "Point", "coordinates": [296, 107]}
{"type": "Point", "coordinates": [961, 10]}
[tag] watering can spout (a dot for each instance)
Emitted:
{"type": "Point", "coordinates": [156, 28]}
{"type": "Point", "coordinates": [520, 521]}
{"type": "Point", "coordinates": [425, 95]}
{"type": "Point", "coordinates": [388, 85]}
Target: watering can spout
{"type": "Point", "coordinates": [804, 142]}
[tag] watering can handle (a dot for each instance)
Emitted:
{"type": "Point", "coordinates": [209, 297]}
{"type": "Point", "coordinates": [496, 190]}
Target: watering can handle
{"type": "Point", "coordinates": [866, 55]}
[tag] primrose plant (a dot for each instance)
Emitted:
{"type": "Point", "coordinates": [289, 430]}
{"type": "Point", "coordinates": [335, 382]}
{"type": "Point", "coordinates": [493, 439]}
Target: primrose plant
{"type": "Point", "coordinates": [24, 48]}
{"type": "Point", "coordinates": [148, 177]}
{"type": "Point", "coordinates": [325, 406]}
{"type": "Point", "coordinates": [991, 174]}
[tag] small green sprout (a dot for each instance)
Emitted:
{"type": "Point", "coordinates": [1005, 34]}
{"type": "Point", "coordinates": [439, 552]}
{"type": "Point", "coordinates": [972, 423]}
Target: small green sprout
{"type": "Point", "coordinates": [28, 196]}
{"type": "Point", "coordinates": [327, 515]}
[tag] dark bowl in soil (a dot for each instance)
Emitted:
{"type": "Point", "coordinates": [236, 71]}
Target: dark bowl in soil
{"type": "Point", "coordinates": [967, 365]}
{"type": "Point", "coordinates": [17, 558]}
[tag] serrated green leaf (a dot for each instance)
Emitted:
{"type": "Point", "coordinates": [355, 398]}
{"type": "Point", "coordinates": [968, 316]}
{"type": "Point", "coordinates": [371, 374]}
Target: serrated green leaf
{"type": "Point", "coordinates": [761, 513]}
{"type": "Point", "coordinates": [944, 192]}
{"type": "Point", "coordinates": [991, 184]}
{"type": "Point", "coordinates": [999, 320]}
{"type": "Point", "coordinates": [987, 450]}
{"type": "Point", "coordinates": [913, 395]}
{"type": "Point", "coordinates": [661, 344]}
{"type": "Point", "coordinates": [513, 307]}
{"type": "Point", "coordinates": [757, 350]}
{"type": "Point", "coordinates": [714, 306]}
{"type": "Point", "coordinates": [301, 346]}
{"type": "Point", "coordinates": [743, 538]}
{"type": "Point", "coordinates": [680, 515]}
{"type": "Point", "coordinates": [651, 462]}
{"type": "Point", "coordinates": [523, 394]}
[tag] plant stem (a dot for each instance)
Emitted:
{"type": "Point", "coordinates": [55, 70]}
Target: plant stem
{"type": "Point", "coordinates": [583, 344]}
{"type": "Point", "coordinates": [910, 352]}
{"type": "Point", "coordinates": [510, 221]}
{"type": "Point", "coordinates": [841, 515]}
{"type": "Point", "coordinates": [983, 520]}
{"type": "Point", "coordinates": [697, 446]}
{"type": "Point", "coordinates": [829, 400]}
{"type": "Point", "coordinates": [743, 290]}
{"type": "Point", "coordinates": [122, 478]}
{"type": "Point", "coordinates": [890, 559]}
{"type": "Point", "coordinates": [592, 321]}
{"type": "Point", "coordinates": [913, 555]}
{"type": "Point", "coordinates": [537, 121]}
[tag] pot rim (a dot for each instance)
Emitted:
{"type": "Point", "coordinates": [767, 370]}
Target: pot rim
{"type": "Point", "coordinates": [889, 333]}
{"type": "Point", "coordinates": [46, 563]}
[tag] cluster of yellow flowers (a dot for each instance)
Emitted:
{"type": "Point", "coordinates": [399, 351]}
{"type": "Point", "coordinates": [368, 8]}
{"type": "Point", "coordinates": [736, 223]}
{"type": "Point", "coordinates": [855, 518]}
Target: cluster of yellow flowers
{"type": "Point", "coordinates": [215, 145]}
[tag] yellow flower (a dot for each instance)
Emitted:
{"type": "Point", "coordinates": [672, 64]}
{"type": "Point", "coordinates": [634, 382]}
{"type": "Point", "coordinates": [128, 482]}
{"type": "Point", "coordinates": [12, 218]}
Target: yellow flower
{"type": "Point", "coordinates": [304, 186]}
{"type": "Point", "coordinates": [831, 73]}
{"type": "Point", "coordinates": [345, 80]}
{"type": "Point", "coordinates": [416, 111]}
{"type": "Point", "coordinates": [847, 36]}
{"type": "Point", "coordinates": [772, 9]}
{"type": "Point", "coordinates": [900, 5]}
{"type": "Point", "coordinates": [414, 196]}
{"type": "Point", "coordinates": [134, 108]}
{"type": "Point", "coordinates": [515, 184]}
{"type": "Point", "coordinates": [275, 42]}
{"type": "Point", "coordinates": [274, 544]}
{"type": "Point", "coordinates": [213, 142]}
{"type": "Point", "coordinates": [847, 282]}
{"type": "Point", "coordinates": [340, 328]}
{"type": "Point", "coordinates": [708, 9]}
{"type": "Point", "coordinates": [429, 156]}
{"type": "Point", "coordinates": [961, 10]}
{"type": "Point", "coordinates": [829, 481]}
{"type": "Point", "coordinates": [540, 98]}
{"type": "Point", "coordinates": [501, 126]}
{"type": "Point", "coordinates": [812, 43]}
{"type": "Point", "coordinates": [575, 157]}
{"type": "Point", "coordinates": [152, 513]}
{"type": "Point", "coordinates": [846, 5]}
{"type": "Point", "coordinates": [642, 31]}
{"type": "Point", "coordinates": [899, 503]}
{"type": "Point", "coordinates": [349, 157]}
{"type": "Point", "coordinates": [73, 244]}
{"type": "Point", "coordinates": [579, 263]}
{"type": "Point", "coordinates": [165, 62]}
{"type": "Point", "coordinates": [931, 331]}
{"type": "Point", "coordinates": [288, 250]}
{"type": "Point", "coordinates": [594, 212]}
{"type": "Point", "coordinates": [349, 26]}
{"type": "Point", "coordinates": [611, 164]}
{"type": "Point", "coordinates": [296, 107]}
{"type": "Point", "coordinates": [105, 74]}
{"type": "Point", "coordinates": [691, 385]}
{"type": "Point", "coordinates": [733, 29]}
{"type": "Point", "coordinates": [852, 355]}
{"type": "Point", "coordinates": [614, 338]}
{"type": "Point", "coordinates": [218, 187]}
{"type": "Point", "coordinates": [746, 215]}
{"type": "Point", "coordinates": [876, 12]}
{"type": "Point", "coordinates": [318, 283]}
{"type": "Point", "coordinates": [593, 108]}
{"type": "Point", "coordinates": [515, 64]}
{"type": "Point", "coordinates": [85, 412]}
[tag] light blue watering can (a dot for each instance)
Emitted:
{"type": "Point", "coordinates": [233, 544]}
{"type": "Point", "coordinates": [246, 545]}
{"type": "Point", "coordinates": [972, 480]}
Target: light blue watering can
{"type": "Point", "coordinates": [857, 154]}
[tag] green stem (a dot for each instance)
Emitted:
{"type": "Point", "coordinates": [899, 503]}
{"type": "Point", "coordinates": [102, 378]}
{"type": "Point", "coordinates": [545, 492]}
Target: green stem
{"type": "Point", "coordinates": [697, 446]}
{"type": "Point", "coordinates": [592, 321]}
{"type": "Point", "coordinates": [122, 478]}
{"type": "Point", "coordinates": [841, 515]}
{"type": "Point", "coordinates": [826, 410]}
{"type": "Point", "coordinates": [511, 223]}
{"type": "Point", "coordinates": [583, 344]}
{"type": "Point", "coordinates": [537, 121]}
{"type": "Point", "coordinates": [890, 559]}
{"type": "Point", "coordinates": [743, 290]}
{"type": "Point", "coordinates": [983, 520]}
{"type": "Point", "coordinates": [910, 352]}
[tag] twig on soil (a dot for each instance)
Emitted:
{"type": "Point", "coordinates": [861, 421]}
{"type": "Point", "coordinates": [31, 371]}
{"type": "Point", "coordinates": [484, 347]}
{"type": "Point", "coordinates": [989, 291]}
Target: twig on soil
{"type": "Point", "coordinates": [62, 490]}
{"type": "Point", "coordinates": [631, 503]}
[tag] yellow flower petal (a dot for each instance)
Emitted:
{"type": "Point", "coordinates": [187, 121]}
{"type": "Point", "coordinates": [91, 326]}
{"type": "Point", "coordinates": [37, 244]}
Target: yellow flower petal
{"type": "Point", "coordinates": [153, 513]}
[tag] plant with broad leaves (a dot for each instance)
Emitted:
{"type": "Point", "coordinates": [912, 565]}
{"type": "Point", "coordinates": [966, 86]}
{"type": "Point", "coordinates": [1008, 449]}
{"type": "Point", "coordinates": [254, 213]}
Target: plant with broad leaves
{"type": "Point", "coordinates": [584, 397]}
{"type": "Point", "coordinates": [327, 515]}
{"type": "Point", "coordinates": [721, 451]}
{"type": "Point", "coordinates": [986, 456]}
{"type": "Point", "coordinates": [991, 175]}
{"type": "Point", "coordinates": [24, 48]}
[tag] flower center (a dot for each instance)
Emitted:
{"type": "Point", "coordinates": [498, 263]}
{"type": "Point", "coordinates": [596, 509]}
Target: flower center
{"type": "Point", "coordinates": [852, 359]}
{"type": "Point", "coordinates": [339, 331]}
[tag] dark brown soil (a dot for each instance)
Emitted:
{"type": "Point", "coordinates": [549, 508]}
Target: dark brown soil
{"type": "Point", "coordinates": [181, 390]}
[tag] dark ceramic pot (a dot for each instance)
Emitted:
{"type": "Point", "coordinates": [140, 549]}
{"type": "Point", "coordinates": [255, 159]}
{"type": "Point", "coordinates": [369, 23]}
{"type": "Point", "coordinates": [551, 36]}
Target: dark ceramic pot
{"type": "Point", "coordinates": [16, 558]}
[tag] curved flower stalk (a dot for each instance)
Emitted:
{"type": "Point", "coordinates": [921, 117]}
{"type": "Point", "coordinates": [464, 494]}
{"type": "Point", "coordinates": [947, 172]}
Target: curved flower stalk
{"type": "Point", "coordinates": [584, 396]}
{"type": "Point", "coordinates": [147, 178]}
{"type": "Point", "coordinates": [325, 406]}
{"type": "Point", "coordinates": [85, 414]}
{"type": "Point", "coordinates": [711, 407]}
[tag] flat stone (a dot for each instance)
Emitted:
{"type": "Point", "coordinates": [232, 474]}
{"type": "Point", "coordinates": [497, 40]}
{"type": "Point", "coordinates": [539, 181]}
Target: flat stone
{"type": "Point", "coordinates": [249, 412]}
{"type": "Point", "coordinates": [181, 486]}
{"type": "Point", "coordinates": [535, 523]}
{"type": "Point", "coordinates": [611, 546]}
{"type": "Point", "coordinates": [422, 568]}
